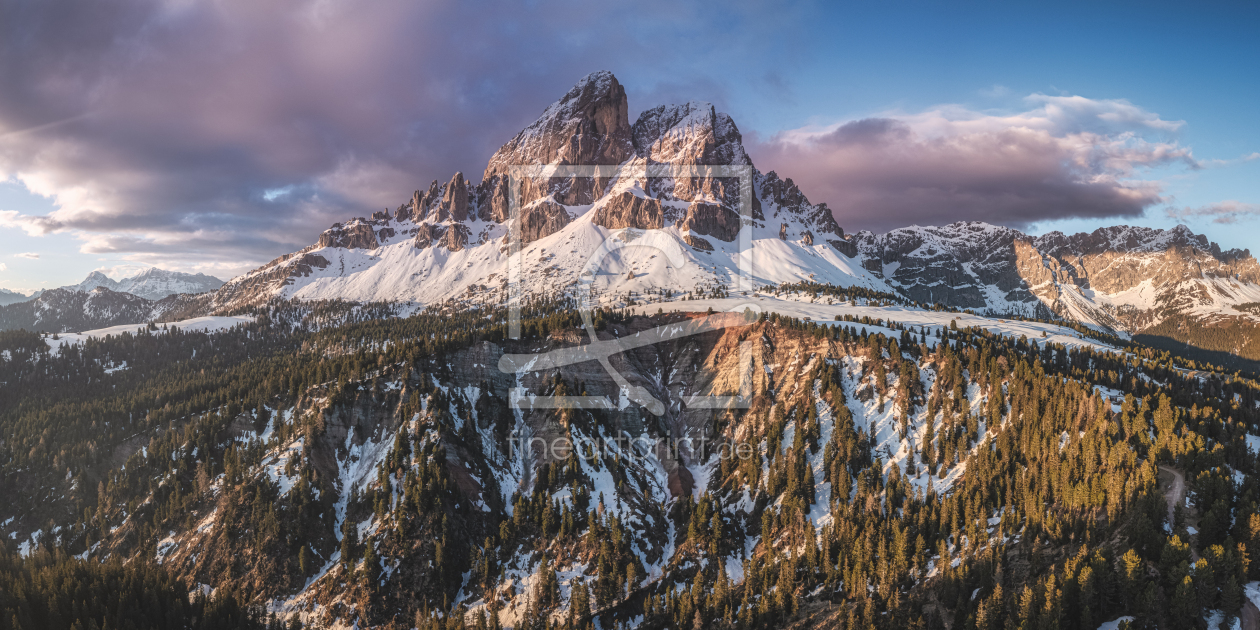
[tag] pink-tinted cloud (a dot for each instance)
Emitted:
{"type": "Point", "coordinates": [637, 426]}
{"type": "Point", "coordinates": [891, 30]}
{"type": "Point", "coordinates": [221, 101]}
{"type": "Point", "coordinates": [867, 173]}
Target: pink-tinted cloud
{"type": "Point", "coordinates": [1228, 211]}
{"type": "Point", "coordinates": [163, 129]}
{"type": "Point", "coordinates": [1064, 157]}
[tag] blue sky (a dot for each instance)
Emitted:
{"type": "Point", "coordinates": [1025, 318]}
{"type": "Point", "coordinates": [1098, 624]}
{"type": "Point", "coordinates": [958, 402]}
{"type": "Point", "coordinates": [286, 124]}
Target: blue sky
{"type": "Point", "coordinates": [137, 134]}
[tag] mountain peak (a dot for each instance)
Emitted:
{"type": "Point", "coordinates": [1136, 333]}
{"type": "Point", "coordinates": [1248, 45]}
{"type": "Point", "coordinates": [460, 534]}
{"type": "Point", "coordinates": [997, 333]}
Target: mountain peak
{"type": "Point", "coordinates": [588, 125]}
{"type": "Point", "coordinates": [152, 283]}
{"type": "Point", "coordinates": [691, 133]}
{"type": "Point", "coordinates": [1124, 238]}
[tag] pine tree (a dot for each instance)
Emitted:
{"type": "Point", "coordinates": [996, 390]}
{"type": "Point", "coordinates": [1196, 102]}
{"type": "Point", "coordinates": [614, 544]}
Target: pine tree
{"type": "Point", "coordinates": [579, 604]}
{"type": "Point", "coordinates": [1184, 608]}
{"type": "Point", "coordinates": [371, 565]}
{"type": "Point", "coordinates": [304, 561]}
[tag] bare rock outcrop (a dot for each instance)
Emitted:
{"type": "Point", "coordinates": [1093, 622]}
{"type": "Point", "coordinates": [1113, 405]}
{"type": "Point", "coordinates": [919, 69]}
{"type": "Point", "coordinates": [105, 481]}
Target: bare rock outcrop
{"type": "Point", "coordinates": [454, 203]}
{"type": "Point", "coordinates": [542, 219]}
{"type": "Point", "coordinates": [786, 197]}
{"type": "Point", "coordinates": [697, 242]}
{"type": "Point", "coordinates": [428, 234]}
{"type": "Point", "coordinates": [691, 134]}
{"type": "Point", "coordinates": [628, 210]}
{"type": "Point", "coordinates": [588, 126]}
{"type": "Point", "coordinates": [456, 237]}
{"type": "Point", "coordinates": [418, 208]}
{"type": "Point", "coordinates": [711, 220]}
{"type": "Point", "coordinates": [356, 235]}
{"type": "Point", "coordinates": [492, 200]}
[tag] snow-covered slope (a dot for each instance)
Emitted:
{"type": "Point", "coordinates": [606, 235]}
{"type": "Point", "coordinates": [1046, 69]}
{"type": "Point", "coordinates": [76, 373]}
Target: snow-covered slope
{"type": "Point", "coordinates": [196, 324]}
{"type": "Point", "coordinates": [827, 312]}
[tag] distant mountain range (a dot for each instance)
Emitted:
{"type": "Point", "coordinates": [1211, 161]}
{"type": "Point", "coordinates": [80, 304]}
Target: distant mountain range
{"type": "Point", "coordinates": [151, 284]}
{"type": "Point", "coordinates": [100, 301]}
{"type": "Point", "coordinates": [11, 297]}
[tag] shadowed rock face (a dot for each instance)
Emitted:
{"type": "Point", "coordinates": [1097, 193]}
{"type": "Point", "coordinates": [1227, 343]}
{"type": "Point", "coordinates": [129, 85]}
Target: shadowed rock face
{"type": "Point", "coordinates": [456, 237]}
{"type": "Point", "coordinates": [454, 205]}
{"type": "Point", "coordinates": [589, 125]}
{"type": "Point", "coordinates": [788, 198]}
{"type": "Point", "coordinates": [953, 264]}
{"type": "Point", "coordinates": [542, 219]}
{"type": "Point", "coordinates": [428, 234]}
{"type": "Point", "coordinates": [628, 210]}
{"type": "Point", "coordinates": [357, 235]}
{"type": "Point", "coordinates": [711, 220]}
{"type": "Point", "coordinates": [492, 200]}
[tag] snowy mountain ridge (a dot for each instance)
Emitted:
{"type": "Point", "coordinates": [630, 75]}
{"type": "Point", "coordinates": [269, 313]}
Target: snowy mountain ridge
{"type": "Point", "coordinates": [150, 284]}
{"type": "Point", "coordinates": [1124, 278]}
{"type": "Point", "coordinates": [450, 242]}
{"type": "Point", "coordinates": [448, 245]}
{"type": "Point", "coordinates": [100, 301]}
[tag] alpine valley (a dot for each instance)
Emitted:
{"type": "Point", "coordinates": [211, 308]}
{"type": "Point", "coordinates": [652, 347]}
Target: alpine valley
{"type": "Point", "coordinates": [937, 427]}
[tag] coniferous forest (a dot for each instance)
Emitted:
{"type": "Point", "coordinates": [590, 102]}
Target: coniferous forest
{"type": "Point", "coordinates": [326, 466]}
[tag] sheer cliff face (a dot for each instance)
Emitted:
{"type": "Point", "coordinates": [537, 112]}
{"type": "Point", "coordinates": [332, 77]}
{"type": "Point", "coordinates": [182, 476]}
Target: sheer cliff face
{"type": "Point", "coordinates": [588, 126]}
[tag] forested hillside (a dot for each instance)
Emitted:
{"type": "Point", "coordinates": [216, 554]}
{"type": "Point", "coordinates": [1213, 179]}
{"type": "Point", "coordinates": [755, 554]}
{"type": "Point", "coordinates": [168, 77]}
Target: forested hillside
{"type": "Point", "coordinates": [52, 591]}
{"type": "Point", "coordinates": [328, 465]}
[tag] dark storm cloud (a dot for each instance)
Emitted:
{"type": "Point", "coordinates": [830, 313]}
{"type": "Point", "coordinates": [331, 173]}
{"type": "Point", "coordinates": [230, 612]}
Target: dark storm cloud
{"type": "Point", "coordinates": [158, 126]}
{"type": "Point", "coordinates": [1065, 157]}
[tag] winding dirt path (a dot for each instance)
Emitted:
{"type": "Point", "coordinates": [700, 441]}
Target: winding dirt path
{"type": "Point", "coordinates": [1176, 493]}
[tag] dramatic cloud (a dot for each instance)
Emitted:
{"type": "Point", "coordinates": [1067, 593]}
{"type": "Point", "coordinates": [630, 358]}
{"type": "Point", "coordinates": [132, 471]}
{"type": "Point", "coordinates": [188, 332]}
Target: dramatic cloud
{"type": "Point", "coordinates": [230, 132]}
{"type": "Point", "coordinates": [1228, 211]}
{"type": "Point", "coordinates": [27, 255]}
{"type": "Point", "coordinates": [1064, 157]}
